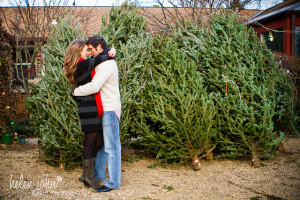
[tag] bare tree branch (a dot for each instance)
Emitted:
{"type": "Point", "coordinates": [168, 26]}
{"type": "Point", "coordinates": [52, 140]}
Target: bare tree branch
{"type": "Point", "coordinates": [198, 10]}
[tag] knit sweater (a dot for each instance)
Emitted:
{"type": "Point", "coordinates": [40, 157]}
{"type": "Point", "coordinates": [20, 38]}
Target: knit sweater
{"type": "Point", "coordinates": [87, 108]}
{"type": "Point", "coordinates": [106, 80]}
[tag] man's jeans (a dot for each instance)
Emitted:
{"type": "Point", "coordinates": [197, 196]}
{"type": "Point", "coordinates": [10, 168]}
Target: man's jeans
{"type": "Point", "coordinates": [110, 153]}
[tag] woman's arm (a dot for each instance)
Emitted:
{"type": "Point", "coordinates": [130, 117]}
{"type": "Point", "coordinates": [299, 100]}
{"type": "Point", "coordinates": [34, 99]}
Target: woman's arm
{"type": "Point", "coordinates": [105, 56]}
{"type": "Point", "coordinates": [112, 52]}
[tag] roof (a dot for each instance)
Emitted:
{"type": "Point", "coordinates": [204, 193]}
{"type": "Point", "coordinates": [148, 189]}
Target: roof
{"type": "Point", "coordinates": [287, 7]}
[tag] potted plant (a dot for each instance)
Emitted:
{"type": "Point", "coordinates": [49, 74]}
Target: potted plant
{"type": "Point", "coordinates": [6, 138]}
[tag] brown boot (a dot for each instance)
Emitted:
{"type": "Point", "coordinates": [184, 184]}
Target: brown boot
{"type": "Point", "coordinates": [84, 169]}
{"type": "Point", "coordinates": [87, 176]}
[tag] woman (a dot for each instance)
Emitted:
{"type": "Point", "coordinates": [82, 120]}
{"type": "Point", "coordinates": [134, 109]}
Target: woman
{"type": "Point", "coordinates": [79, 71]}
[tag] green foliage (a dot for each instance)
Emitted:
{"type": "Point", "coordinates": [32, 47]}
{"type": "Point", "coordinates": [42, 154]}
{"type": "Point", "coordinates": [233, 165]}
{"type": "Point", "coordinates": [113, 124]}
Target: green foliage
{"type": "Point", "coordinates": [121, 24]}
{"type": "Point", "coordinates": [132, 158]}
{"type": "Point", "coordinates": [179, 119]}
{"type": "Point", "coordinates": [126, 32]}
{"type": "Point", "coordinates": [169, 188]}
{"type": "Point", "coordinates": [183, 95]}
{"type": "Point", "coordinates": [134, 64]}
{"type": "Point", "coordinates": [24, 128]}
{"type": "Point", "coordinates": [59, 39]}
{"type": "Point", "coordinates": [256, 198]}
{"type": "Point", "coordinates": [198, 88]}
{"type": "Point", "coordinates": [286, 117]}
{"type": "Point", "coordinates": [146, 198]}
{"type": "Point", "coordinates": [53, 110]}
{"type": "Point", "coordinates": [8, 98]}
{"type": "Point", "coordinates": [244, 76]}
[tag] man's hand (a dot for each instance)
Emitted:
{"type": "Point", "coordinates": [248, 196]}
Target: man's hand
{"type": "Point", "coordinates": [112, 52]}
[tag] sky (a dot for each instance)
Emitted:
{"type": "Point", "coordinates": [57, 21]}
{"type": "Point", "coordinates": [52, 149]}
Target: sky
{"type": "Point", "coordinates": [4, 3]}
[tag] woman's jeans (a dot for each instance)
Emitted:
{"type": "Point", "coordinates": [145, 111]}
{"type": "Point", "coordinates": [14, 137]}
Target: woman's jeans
{"type": "Point", "coordinates": [110, 153]}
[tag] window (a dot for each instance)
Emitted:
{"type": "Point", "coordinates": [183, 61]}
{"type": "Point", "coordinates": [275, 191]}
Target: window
{"type": "Point", "coordinates": [277, 43]}
{"type": "Point", "coordinates": [28, 73]}
{"type": "Point", "coordinates": [297, 40]}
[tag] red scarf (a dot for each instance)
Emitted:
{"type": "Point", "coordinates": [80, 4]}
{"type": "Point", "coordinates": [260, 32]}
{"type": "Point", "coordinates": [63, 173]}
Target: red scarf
{"type": "Point", "coordinates": [97, 95]}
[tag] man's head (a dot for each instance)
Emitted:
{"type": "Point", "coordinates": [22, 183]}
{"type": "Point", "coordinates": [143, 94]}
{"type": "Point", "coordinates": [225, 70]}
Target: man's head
{"type": "Point", "coordinates": [96, 45]}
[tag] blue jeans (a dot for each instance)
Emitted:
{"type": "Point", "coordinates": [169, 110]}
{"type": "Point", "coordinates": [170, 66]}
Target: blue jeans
{"type": "Point", "coordinates": [110, 153]}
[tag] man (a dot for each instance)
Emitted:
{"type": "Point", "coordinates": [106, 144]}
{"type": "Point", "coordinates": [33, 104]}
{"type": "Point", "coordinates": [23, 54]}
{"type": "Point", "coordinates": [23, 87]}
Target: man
{"type": "Point", "coordinates": [106, 80]}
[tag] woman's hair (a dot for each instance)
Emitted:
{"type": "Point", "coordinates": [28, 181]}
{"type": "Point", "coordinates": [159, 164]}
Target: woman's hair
{"type": "Point", "coordinates": [73, 54]}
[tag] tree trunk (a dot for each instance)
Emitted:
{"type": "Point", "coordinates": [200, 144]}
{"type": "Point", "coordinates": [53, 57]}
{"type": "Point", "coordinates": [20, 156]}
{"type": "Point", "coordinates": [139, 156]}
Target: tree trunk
{"type": "Point", "coordinates": [209, 156]}
{"type": "Point", "coordinates": [254, 159]}
{"type": "Point", "coordinates": [61, 164]}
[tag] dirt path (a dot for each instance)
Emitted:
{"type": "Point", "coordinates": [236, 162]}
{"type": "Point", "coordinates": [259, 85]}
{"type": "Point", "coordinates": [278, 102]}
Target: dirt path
{"type": "Point", "coordinates": [22, 177]}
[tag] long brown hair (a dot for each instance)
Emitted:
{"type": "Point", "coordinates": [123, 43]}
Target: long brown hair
{"type": "Point", "coordinates": [71, 59]}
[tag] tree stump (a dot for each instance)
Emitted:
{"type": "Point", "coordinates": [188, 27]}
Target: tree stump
{"type": "Point", "coordinates": [254, 159]}
{"type": "Point", "coordinates": [196, 163]}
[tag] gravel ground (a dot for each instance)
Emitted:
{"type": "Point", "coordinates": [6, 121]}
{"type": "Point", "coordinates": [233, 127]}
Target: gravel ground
{"type": "Point", "coordinates": [23, 177]}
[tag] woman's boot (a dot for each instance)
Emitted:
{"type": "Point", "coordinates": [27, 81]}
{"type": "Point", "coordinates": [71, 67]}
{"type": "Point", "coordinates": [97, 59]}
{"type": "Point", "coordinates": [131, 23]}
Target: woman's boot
{"type": "Point", "coordinates": [87, 176]}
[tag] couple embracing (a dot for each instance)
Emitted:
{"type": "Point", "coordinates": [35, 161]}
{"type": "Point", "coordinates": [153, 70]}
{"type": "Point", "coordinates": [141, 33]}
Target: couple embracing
{"type": "Point", "coordinates": [96, 85]}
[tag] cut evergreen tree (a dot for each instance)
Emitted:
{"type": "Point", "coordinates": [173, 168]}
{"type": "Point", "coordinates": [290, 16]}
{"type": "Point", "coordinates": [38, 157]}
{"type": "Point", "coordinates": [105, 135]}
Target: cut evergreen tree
{"type": "Point", "coordinates": [122, 23]}
{"type": "Point", "coordinates": [124, 28]}
{"type": "Point", "coordinates": [179, 119]}
{"type": "Point", "coordinates": [53, 110]}
{"type": "Point", "coordinates": [239, 79]}
{"type": "Point", "coordinates": [185, 94]}
{"type": "Point", "coordinates": [243, 74]}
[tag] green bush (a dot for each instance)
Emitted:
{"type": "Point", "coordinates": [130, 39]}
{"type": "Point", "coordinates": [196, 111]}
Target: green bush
{"type": "Point", "coordinates": [53, 111]}
{"type": "Point", "coordinates": [24, 128]}
{"type": "Point", "coordinates": [244, 76]}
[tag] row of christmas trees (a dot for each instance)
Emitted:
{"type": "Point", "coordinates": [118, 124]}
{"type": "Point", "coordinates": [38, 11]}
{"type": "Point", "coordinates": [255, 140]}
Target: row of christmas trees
{"type": "Point", "coordinates": [185, 94]}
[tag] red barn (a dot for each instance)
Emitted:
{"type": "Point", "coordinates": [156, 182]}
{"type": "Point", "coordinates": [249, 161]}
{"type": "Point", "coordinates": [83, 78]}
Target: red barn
{"type": "Point", "coordinates": [279, 26]}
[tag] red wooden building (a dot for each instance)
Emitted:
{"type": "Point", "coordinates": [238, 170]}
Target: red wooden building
{"type": "Point", "coordinates": [279, 26]}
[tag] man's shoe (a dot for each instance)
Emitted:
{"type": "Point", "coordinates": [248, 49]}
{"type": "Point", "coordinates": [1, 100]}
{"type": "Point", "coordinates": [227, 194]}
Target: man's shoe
{"type": "Point", "coordinates": [103, 189]}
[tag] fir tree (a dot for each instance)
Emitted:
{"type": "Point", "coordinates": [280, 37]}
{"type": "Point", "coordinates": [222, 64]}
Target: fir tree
{"type": "Point", "coordinates": [126, 32]}
{"type": "Point", "coordinates": [180, 116]}
{"type": "Point", "coordinates": [239, 79]}
{"type": "Point", "coordinates": [121, 24]}
{"type": "Point", "coordinates": [243, 74]}
{"type": "Point", "coordinates": [53, 110]}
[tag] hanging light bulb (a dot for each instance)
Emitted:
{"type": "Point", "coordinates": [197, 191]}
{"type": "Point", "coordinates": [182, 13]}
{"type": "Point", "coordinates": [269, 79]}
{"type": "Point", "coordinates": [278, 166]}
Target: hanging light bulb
{"type": "Point", "coordinates": [3, 93]}
{"type": "Point", "coordinates": [7, 107]}
{"type": "Point", "coordinates": [54, 22]}
{"type": "Point", "coordinates": [271, 37]}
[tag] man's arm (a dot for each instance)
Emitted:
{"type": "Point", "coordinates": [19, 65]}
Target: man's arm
{"type": "Point", "coordinates": [103, 72]}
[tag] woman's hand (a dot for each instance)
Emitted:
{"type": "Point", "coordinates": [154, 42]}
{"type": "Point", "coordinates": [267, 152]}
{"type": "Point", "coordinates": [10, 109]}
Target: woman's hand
{"type": "Point", "coordinates": [112, 52]}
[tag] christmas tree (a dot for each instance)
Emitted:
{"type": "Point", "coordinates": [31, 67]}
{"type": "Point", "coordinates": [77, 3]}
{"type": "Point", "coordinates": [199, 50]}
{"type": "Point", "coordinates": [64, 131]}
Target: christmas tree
{"type": "Point", "coordinates": [233, 72]}
{"type": "Point", "coordinates": [243, 75]}
{"type": "Point", "coordinates": [184, 94]}
{"type": "Point", "coordinates": [121, 24]}
{"type": "Point", "coordinates": [53, 110]}
{"type": "Point", "coordinates": [126, 32]}
{"type": "Point", "coordinates": [182, 115]}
